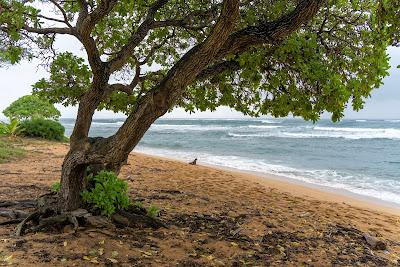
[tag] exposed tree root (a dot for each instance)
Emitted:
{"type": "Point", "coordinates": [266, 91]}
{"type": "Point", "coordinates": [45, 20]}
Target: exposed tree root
{"type": "Point", "coordinates": [21, 227]}
{"type": "Point", "coordinates": [26, 203]}
{"type": "Point", "coordinates": [46, 217]}
{"type": "Point", "coordinates": [13, 214]}
{"type": "Point", "coordinates": [15, 221]}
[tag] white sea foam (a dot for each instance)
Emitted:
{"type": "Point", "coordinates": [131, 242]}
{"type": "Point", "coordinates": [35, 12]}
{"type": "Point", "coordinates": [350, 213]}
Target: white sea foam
{"type": "Point", "coordinates": [358, 184]}
{"type": "Point", "coordinates": [393, 121]}
{"type": "Point", "coordinates": [114, 123]}
{"type": "Point", "coordinates": [325, 132]}
{"type": "Point", "coordinates": [357, 133]}
{"type": "Point", "coordinates": [264, 126]}
{"type": "Point", "coordinates": [361, 120]}
{"type": "Point", "coordinates": [249, 135]}
{"type": "Point", "coordinates": [270, 121]}
{"type": "Point", "coordinates": [187, 127]}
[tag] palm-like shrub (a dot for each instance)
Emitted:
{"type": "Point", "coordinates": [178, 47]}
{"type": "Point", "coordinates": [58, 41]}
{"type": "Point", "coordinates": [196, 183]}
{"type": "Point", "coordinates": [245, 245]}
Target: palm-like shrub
{"type": "Point", "coordinates": [12, 129]}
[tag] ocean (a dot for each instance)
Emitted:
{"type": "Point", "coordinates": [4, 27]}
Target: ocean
{"type": "Point", "coordinates": [358, 156]}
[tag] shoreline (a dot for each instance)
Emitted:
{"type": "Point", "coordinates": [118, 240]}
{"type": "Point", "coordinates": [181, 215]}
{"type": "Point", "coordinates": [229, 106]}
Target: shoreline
{"type": "Point", "coordinates": [300, 188]}
{"type": "Point", "coordinates": [212, 216]}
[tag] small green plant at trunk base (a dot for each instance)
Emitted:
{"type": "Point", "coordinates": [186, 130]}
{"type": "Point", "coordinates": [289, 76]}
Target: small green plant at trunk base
{"type": "Point", "coordinates": [56, 187]}
{"type": "Point", "coordinates": [108, 194]}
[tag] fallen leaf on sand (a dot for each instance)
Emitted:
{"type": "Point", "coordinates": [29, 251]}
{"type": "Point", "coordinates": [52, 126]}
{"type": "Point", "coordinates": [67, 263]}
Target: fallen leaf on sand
{"type": "Point", "coordinates": [112, 260]}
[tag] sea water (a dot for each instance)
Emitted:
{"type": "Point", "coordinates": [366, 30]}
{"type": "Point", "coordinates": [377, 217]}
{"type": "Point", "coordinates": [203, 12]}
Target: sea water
{"type": "Point", "coordinates": [359, 156]}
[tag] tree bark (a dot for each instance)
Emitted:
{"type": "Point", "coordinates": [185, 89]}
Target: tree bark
{"type": "Point", "coordinates": [72, 181]}
{"type": "Point", "coordinates": [93, 153]}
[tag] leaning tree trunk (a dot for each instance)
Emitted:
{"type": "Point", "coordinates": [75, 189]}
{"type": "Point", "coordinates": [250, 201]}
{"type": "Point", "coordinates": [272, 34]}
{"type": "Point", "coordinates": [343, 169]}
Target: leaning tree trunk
{"type": "Point", "coordinates": [72, 181]}
{"type": "Point", "coordinates": [110, 153]}
{"type": "Point", "coordinates": [89, 157]}
{"type": "Point", "coordinates": [92, 158]}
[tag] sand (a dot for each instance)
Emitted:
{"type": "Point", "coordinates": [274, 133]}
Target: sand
{"type": "Point", "coordinates": [215, 217]}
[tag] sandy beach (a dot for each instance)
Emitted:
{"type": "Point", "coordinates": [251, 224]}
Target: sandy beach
{"type": "Point", "coordinates": [215, 217]}
{"type": "Point", "coordinates": [296, 187]}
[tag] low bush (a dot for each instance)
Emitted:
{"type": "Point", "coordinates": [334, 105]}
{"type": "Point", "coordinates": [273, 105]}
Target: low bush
{"type": "Point", "coordinates": [47, 129]}
{"type": "Point", "coordinates": [12, 129]}
{"type": "Point", "coordinates": [108, 194]}
{"type": "Point", "coordinates": [153, 211]}
{"type": "Point", "coordinates": [56, 187]}
{"type": "Point", "coordinates": [3, 128]}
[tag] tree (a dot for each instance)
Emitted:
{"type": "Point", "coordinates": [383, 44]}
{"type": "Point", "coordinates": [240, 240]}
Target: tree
{"type": "Point", "coordinates": [300, 57]}
{"type": "Point", "coordinates": [29, 107]}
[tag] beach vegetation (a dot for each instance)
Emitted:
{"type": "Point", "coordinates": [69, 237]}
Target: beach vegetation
{"type": "Point", "coordinates": [108, 193]}
{"type": "Point", "coordinates": [55, 187]}
{"type": "Point", "coordinates": [31, 107]}
{"type": "Point", "coordinates": [9, 150]}
{"type": "Point", "coordinates": [144, 58]}
{"type": "Point", "coordinates": [153, 211]}
{"type": "Point", "coordinates": [43, 128]}
{"type": "Point", "coordinates": [138, 204]}
{"type": "Point", "coordinates": [12, 129]}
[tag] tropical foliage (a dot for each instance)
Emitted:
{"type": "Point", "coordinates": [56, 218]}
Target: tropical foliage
{"type": "Point", "coordinates": [47, 129]}
{"type": "Point", "coordinates": [30, 107]}
{"type": "Point", "coordinates": [11, 129]}
{"type": "Point", "coordinates": [338, 57]}
{"type": "Point", "coordinates": [108, 194]}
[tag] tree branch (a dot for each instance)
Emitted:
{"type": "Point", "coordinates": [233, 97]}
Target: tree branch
{"type": "Point", "coordinates": [271, 32]}
{"type": "Point", "coordinates": [121, 87]}
{"type": "Point", "coordinates": [157, 101]}
{"type": "Point", "coordinates": [89, 21]}
{"type": "Point", "coordinates": [126, 52]}
{"type": "Point", "coordinates": [54, 30]}
{"type": "Point", "coordinates": [60, 8]}
{"type": "Point", "coordinates": [216, 69]}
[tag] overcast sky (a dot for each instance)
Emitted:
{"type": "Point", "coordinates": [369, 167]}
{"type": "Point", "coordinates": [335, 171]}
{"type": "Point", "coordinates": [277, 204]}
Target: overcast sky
{"type": "Point", "coordinates": [16, 81]}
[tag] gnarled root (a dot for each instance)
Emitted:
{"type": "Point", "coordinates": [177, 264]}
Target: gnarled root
{"type": "Point", "coordinates": [26, 203]}
{"type": "Point", "coordinates": [47, 217]}
{"type": "Point", "coordinates": [21, 227]}
{"type": "Point", "coordinates": [16, 215]}
{"type": "Point", "coordinates": [13, 214]}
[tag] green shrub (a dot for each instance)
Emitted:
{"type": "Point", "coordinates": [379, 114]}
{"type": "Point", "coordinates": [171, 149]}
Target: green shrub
{"type": "Point", "coordinates": [29, 107]}
{"type": "Point", "coordinates": [13, 128]}
{"type": "Point", "coordinates": [108, 194]}
{"type": "Point", "coordinates": [153, 211]}
{"type": "Point", "coordinates": [56, 187]}
{"type": "Point", "coordinates": [47, 129]}
{"type": "Point", "coordinates": [3, 128]}
{"type": "Point", "coordinates": [138, 204]}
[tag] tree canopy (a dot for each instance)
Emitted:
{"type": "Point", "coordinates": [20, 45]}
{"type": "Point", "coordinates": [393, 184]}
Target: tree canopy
{"type": "Point", "coordinates": [30, 107]}
{"type": "Point", "coordinates": [302, 57]}
{"type": "Point", "coordinates": [143, 58]}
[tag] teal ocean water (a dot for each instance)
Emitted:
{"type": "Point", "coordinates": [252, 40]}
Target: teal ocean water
{"type": "Point", "coordinates": [360, 156]}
